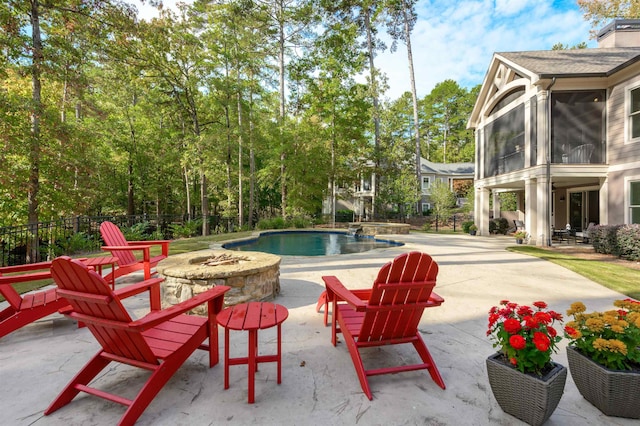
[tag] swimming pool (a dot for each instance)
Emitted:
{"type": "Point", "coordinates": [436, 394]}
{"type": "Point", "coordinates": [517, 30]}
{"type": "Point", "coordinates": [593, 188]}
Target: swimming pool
{"type": "Point", "coordinates": [309, 243]}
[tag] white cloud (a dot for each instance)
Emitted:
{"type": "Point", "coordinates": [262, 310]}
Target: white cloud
{"type": "Point", "coordinates": [511, 7]}
{"type": "Point", "coordinates": [457, 40]}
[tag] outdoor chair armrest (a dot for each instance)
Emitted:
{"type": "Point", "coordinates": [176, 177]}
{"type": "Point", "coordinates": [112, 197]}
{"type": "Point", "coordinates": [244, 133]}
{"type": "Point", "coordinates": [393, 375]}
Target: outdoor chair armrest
{"type": "Point", "coordinates": [337, 291]}
{"type": "Point", "coordinates": [163, 243]}
{"type": "Point", "coordinates": [157, 317]}
{"type": "Point", "coordinates": [152, 285]}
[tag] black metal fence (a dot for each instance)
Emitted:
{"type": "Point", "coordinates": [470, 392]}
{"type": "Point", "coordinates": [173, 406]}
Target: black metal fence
{"type": "Point", "coordinates": [24, 244]}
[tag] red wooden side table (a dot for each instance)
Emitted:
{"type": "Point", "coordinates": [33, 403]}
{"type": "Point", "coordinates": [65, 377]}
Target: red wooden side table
{"type": "Point", "coordinates": [252, 316]}
{"type": "Point", "coordinates": [96, 263]}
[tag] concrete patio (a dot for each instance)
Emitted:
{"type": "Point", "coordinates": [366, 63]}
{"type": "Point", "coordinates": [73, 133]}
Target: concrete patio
{"type": "Point", "coordinates": [319, 384]}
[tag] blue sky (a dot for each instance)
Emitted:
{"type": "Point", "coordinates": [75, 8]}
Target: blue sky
{"type": "Point", "coordinates": [455, 39]}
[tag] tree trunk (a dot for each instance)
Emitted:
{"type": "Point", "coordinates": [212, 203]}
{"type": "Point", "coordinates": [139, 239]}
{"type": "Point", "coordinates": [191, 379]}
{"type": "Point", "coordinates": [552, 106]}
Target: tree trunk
{"type": "Point", "coordinates": [33, 252]}
{"type": "Point", "coordinates": [240, 206]}
{"type": "Point", "coordinates": [414, 95]}
{"type": "Point", "coordinates": [283, 157]}
{"type": "Point", "coordinates": [252, 165]}
{"type": "Point", "coordinates": [376, 112]}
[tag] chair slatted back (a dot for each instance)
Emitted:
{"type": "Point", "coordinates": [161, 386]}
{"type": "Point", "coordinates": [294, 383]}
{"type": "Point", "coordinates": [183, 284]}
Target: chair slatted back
{"type": "Point", "coordinates": [399, 296]}
{"type": "Point", "coordinates": [112, 236]}
{"type": "Point", "coordinates": [95, 304]}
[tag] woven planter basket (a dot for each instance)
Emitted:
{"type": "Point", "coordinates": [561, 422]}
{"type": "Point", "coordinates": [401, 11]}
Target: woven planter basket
{"type": "Point", "coordinates": [615, 393]}
{"type": "Point", "coordinates": [524, 396]}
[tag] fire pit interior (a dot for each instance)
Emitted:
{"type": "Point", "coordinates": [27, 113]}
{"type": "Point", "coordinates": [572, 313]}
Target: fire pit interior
{"type": "Point", "coordinates": [252, 276]}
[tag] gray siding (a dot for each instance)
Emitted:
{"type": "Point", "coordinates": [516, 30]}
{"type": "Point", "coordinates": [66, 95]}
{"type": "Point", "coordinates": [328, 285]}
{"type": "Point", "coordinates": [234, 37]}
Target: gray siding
{"type": "Point", "coordinates": [618, 152]}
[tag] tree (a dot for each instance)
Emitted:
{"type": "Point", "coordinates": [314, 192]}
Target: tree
{"type": "Point", "coordinates": [601, 11]}
{"type": "Point", "coordinates": [446, 110]}
{"type": "Point", "coordinates": [49, 38]}
{"type": "Point", "coordinates": [443, 200]}
{"type": "Point", "coordinates": [402, 18]}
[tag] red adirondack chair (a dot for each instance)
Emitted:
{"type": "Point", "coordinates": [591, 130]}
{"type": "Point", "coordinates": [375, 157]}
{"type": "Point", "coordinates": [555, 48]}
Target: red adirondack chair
{"type": "Point", "coordinates": [160, 342]}
{"type": "Point", "coordinates": [25, 309]}
{"type": "Point", "coordinates": [388, 315]}
{"type": "Point", "coordinates": [119, 247]}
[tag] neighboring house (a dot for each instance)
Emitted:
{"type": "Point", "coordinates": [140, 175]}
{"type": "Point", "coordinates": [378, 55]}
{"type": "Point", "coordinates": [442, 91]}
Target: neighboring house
{"type": "Point", "coordinates": [359, 198]}
{"type": "Point", "coordinates": [448, 173]}
{"type": "Point", "coordinates": [561, 128]}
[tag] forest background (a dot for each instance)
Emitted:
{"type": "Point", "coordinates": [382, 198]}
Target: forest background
{"type": "Point", "coordinates": [245, 109]}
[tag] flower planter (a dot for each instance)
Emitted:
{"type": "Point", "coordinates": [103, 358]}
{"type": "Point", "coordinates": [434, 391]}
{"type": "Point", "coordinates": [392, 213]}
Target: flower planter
{"type": "Point", "coordinates": [615, 393]}
{"type": "Point", "coordinates": [519, 240]}
{"type": "Point", "coordinates": [525, 396]}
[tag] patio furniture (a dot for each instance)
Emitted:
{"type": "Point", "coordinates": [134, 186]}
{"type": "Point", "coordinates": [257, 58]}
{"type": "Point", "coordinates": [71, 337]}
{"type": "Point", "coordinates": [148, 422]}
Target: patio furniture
{"type": "Point", "coordinates": [30, 307]}
{"type": "Point", "coordinates": [119, 247]}
{"type": "Point", "coordinates": [252, 316]}
{"type": "Point", "coordinates": [388, 314]}
{"type": "Point", "coordinates": [581, 154]}
{"type": "Point", "coordinates": [159, 342]}
{"type": "Point", "coordinates": [585, 235]}
{"type": "Point", "coordinates": [96, 263]}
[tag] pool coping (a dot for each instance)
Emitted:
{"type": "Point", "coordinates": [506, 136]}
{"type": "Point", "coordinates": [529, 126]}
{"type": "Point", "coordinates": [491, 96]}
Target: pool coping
{"type": "Point", "coordinates": [255, 235]}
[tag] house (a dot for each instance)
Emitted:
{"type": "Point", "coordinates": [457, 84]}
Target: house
{"type": "Point", "coordinates": [449, 173]}
{"type": "Point", "coordinates": [359, 198]}
{"type": "Point", "coordinates": [561, 129]}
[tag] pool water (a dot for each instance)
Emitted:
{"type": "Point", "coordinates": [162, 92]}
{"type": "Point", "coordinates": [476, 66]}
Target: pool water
{"type": "Point", "coordinates": [310, 243]}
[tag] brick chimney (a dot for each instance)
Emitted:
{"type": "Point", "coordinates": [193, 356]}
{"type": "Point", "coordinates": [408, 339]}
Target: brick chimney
{"type": "Point", "coordinates": [620, 33]}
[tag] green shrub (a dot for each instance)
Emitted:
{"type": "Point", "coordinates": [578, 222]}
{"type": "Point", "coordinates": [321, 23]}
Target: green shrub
{"type": "Point", "coordinates": [466, 225]}
{"type": "Point", "coordinates": [300, 222]}
{"type": "Point", "coordinates": [628, 242]}
{"type": "Point", "coordinates": [189, 229]}
{"type": "Point", "coordinates": [604, 239]}
{"type": "Point", "coordinates": [502, 225]}
{"type": "Point", "coordinates": [137, 232]}
{"type": "Point", "coordinates": [272, 223]}
{"type": "Point", "coordinates": [77, 243]}
{"type": "Point", "coordinates": [344, 215]}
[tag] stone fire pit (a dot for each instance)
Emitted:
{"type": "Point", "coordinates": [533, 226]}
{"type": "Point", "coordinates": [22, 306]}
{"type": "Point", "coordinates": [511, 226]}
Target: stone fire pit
{"type": "Point", "coordinates": [252, 276]}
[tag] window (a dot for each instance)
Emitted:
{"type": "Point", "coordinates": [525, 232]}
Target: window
{"type": "Point", "coordinates": [426, 207]}
{"type": "Point", "coordinates": [504, 143]}
{"type": "Point", "coordinates": [634, 201]}
{"type": "Point", "coordinates": [426, 182]}
{"type": "Point", "coordinates": [578, 127]}
{"type": "Point", "coordinates": [634, 113]}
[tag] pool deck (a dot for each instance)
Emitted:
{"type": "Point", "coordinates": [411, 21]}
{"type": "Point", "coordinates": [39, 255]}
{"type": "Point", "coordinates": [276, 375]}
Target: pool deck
{"type": "Point", "coordinates": [319, 384]}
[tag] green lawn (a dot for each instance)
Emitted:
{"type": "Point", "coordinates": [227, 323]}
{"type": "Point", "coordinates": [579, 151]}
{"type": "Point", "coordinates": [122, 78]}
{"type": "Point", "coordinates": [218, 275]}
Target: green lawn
{"type": "Point", "coordinates": [616, 277]}
{"type": "Point", "coordinates": [176, 247]}
{"type": "Point", "coordinates": [619, 278]}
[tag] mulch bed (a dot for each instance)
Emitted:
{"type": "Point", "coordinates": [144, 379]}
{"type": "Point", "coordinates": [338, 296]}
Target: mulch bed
{"type": "Point", "coordinates": [587, 252]}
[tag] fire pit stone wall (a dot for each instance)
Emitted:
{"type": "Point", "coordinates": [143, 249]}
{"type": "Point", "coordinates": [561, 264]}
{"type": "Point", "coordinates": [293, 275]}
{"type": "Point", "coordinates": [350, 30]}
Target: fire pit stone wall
{"type": "Point", "coordinates": [252, 276]}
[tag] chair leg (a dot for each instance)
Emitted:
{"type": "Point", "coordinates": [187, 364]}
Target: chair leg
{"type": "Point", "coordinates": [84, 376]}
{"type": "Point", "coordinates": [322, 300]}
{"type": "Point", "coordinates": [358, 365]}
{"type": "Point", "coordinates": [160, 377]}
{"type": "Point", "coordinates": [425, 355]}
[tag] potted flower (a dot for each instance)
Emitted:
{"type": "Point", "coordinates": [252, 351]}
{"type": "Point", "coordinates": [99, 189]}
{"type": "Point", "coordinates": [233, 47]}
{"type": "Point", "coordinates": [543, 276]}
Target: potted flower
{"type": "Point", "coordinates": [521, 374]}
{"type": "Point", "coordinates": [473, 229]}
{"type": "Point", "coordinates": [604, 356]}
{"type": "Point", "coordinates": [520, 236]}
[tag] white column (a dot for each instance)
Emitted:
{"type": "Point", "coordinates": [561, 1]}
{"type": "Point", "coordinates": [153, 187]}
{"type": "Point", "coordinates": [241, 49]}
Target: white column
{"type": "Point", "coordinates": [496, 205]}
{"type": "Point", "coordinates": [481, 210]}
{"type": "Point", "coordinates": [604, 201]}
{"type": "Point", "coordinates": [543, 226]}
